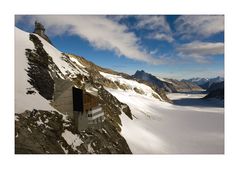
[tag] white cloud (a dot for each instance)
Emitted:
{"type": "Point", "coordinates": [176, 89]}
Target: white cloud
{"type": "Point", "coordinates": [200, 51]}
{"type": "Point", "coordinates": [153, 52]}
{"type": "Point", "coordinates": [161, 37]}
{"type": "Point", "coordinates": [158, 25]}
{"type": "Point", "coordinates": [101, 32]}
{"type": "Point", "coordinates": [153, 23]}
{"type": "Point", "coordinates": [189, 26]}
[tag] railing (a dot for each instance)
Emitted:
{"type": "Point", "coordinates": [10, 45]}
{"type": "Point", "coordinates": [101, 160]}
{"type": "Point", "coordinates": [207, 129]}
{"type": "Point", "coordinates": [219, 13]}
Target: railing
{"type": "Point", "coordinates": [97, 120]}
{"type": "Point", "coordinates": [96, 116]}
{"type": "Point", "coordinates": [95, 110]}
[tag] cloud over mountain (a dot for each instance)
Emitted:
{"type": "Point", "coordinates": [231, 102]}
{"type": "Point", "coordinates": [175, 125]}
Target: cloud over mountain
{"type": "Point", "coordinates": [101, 32]}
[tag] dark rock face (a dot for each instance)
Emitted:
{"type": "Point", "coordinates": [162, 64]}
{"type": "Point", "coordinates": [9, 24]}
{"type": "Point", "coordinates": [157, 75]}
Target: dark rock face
{"type": "Point", "coordinates": [216, 86]}
{"type": "Point", "coordinates": [112, 108]}
{"type": "Point", "coordinates": [216, 90]}
{"type": "Point", "coordinates": [41, 132]}
{"type": "Point", "coordinates": [38, 71]}
{"type": "Point", "coordinates": [218, 94]}
{"type": "Point", "coordinates": [154, 80]}
{"type": "Point", "coordinates": [213, 81]}
{"type": "Point", "coordinates": [157, 85]}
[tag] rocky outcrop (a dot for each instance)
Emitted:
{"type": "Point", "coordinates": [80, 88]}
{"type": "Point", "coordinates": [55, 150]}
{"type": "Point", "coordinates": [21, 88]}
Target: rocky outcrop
{"type": "Point", "coordinates": [45, 132]}
{"type": "Point", "coordinates": [38, 71]}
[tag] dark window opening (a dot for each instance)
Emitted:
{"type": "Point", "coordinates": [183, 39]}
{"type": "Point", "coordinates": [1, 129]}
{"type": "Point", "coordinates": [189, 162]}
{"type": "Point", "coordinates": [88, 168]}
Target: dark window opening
{"type": "Point", "coordinates": [77, 99]}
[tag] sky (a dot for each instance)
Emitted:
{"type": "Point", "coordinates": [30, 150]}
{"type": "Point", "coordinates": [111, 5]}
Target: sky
{"type": "Point", "coordinates": [170, 46]}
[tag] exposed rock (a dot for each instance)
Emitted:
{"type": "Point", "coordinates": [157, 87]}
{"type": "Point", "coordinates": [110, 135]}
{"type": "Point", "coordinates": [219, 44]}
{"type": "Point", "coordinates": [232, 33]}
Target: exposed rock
{"type": "Point", "coordinates": [138, 90]}
{"type": "Point", "coordinates": [112, 107]}
{"type": "Point", "coordinates": [41, 132]}
{"type": "Point", "coordinates": [216, 90]}
{"type": "Point", "coordinates": [38, 70]}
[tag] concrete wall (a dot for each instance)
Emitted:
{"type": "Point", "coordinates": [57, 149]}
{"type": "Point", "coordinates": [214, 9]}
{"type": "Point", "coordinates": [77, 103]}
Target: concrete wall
{"type": "Point", "coordinates": [63, 100]}
{"type": "Point", "coordinates": [81, 120]}
{"type": "Point", "coordinates": [64, 103]}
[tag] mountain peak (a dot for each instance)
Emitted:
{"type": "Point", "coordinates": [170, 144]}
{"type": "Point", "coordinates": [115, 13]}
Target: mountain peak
{"type": "Point", "coordinates": [140, 71]}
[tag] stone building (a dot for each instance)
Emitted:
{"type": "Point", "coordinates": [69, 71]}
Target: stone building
{"type": "Point", "coordinates": [40, 30]}
{"type": "Point", "coordinates": [82, 107]}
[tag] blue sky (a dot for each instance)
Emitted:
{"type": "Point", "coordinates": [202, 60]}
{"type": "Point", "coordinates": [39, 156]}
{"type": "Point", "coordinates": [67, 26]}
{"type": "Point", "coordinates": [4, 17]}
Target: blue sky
{"type": "Point", "coordinates": [170, 46]}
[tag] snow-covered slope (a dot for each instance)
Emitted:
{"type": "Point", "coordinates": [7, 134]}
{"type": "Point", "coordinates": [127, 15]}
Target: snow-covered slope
{"type": "Point", "coordinates": [160, 127]}
{"type": "Point", "coordinates": [132, 85]}
{"type": "Point", "coordinates": [42, 129]}
{"type": "Point", "coordinates": [164, 80]}
{"type": "Point", "coordinates": [23, 100]}
{"type": "Point", "coordinates": [69, 68]}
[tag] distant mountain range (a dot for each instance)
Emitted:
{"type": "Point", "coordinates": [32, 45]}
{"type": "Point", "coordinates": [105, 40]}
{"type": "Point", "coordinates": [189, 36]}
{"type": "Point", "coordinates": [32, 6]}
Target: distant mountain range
{"type": "Point", "coordinates": [204, 83]}
{"type": "Point", "coordinates": [168, 85]}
